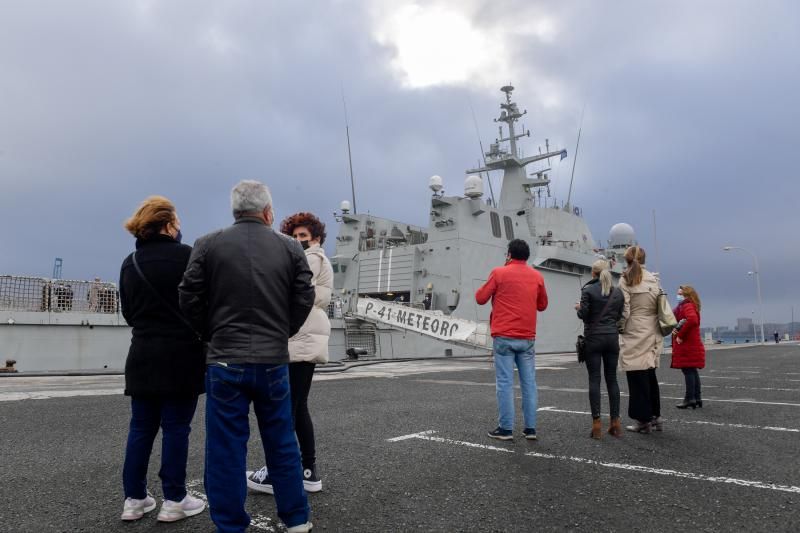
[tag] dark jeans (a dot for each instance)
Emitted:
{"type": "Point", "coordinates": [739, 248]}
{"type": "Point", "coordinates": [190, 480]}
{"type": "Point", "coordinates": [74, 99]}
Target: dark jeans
{"type": "Point", "coordinates": [603, 350]}
{"type": "Point", "coordinates": [229, 391]}
{"type": "Point", "coordinates": [175, 418]}
{"type": "Point", "coordinates": [645, 399]}
{"type": "Point", "coordinates": [692, 377]}
{"type": "Point", "coordinates": [300, 376]}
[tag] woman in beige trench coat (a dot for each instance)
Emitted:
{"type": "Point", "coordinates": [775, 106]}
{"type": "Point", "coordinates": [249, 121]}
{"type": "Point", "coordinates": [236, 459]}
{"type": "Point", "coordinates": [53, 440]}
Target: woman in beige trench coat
{"type": "Point", "coordinates": [641, 343]}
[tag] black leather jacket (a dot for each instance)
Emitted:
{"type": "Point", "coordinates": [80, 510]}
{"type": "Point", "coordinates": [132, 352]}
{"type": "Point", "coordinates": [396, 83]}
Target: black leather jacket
{"type": "Point", "coordinates": [593, 302]}
{"type": "Point", "coordinates": [247, 289]}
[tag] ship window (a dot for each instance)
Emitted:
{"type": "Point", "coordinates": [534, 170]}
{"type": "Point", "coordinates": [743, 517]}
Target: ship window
{"type": "Point", "coordinates": [495, 218]}
{"type": "Point", "coordinates": [335, 267]}
{"type": "Point", "coordinates": [344, 268]}
{"type": "Point", "coordinates": [509, 227]}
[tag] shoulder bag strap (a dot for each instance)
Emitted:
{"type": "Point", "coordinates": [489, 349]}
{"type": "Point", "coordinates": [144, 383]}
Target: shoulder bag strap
{"type": "Point", "coordinates": [161, 298]}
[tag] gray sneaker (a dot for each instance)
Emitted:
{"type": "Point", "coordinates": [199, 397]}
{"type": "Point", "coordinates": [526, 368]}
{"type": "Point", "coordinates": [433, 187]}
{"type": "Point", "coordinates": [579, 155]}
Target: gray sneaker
{"type": "Point", "coordinates": [173, 511]}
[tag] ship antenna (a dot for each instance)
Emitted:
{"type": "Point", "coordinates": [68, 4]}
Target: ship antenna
{"type": "Point", "coordinates": [483, 154]}
{"type": "Point", "coordinates": [575, 159]}
{"type": "Point", "coordinates": [349, 155]}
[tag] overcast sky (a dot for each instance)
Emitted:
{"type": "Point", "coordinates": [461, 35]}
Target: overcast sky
{"type": "Point", "coordinates": [690, 110]}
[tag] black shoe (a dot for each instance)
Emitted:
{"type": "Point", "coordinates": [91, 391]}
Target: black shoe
{"type": "Point", "coordinates": [530, 434]}
{"type": "Point", "coordinates": [311, 481]}
{"type": "Point", "coordinates": [686, 405]}
{"type": "Point", "coordinates": [259, 481]}
{"type": "Point", "coordinates": [700, 404]}
{"type": "Point", "coordinates": [501, 434]}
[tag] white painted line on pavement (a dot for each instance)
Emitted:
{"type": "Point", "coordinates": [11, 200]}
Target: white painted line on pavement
{"type": "Point", "coordinates": [48, 394]}
{"type": "Point", "coordinates": [673, 473]}
{"type": "Point", "coordinates": [701, 422]}
{"type": "Point", "coordinates": [260, 522]}
{"type": "Point", "coordinates": [736, 371]}
{"type": "Point", "coordinates": [426, 435]}
{"type": "Point", "coordinates": [731, 387]}
{"type": "Point", "coordinates": [411, 436]}
{"type": "Point", "coordinates": [621, 466]}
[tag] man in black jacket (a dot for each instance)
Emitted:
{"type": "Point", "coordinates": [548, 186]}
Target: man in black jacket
{"type": "Point", "coordinates": [248, 289]}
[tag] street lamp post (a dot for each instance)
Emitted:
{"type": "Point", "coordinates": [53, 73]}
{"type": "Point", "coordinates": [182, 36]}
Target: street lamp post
{"type": "Point", "coordinates": [757, 272]}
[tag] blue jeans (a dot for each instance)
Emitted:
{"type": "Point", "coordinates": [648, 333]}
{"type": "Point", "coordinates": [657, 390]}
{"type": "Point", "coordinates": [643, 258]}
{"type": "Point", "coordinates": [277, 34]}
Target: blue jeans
{"type": "Point", "coordinates": [507, 352]}
{"type": "Point", "coordinates": [229, 391]}
{"type": "Point", "coordinates": [175, 418]}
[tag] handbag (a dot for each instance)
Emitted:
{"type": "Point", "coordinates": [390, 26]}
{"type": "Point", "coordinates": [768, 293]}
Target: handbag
{"type": "Point", "coordinates": [166, 304]}
{"type": "Point", "coordinates": [666, 318]}
{"type": "Point", "coordinates": [580, 343]}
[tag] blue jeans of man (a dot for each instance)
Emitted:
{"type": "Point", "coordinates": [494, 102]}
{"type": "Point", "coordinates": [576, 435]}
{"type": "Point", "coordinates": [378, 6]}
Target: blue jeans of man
{"type": "Point", "coordinates": [229, 391]}
{"type": "Point", "coordinates": [507, 353]}
{"type": "Point", "coordinates": [175, 418]}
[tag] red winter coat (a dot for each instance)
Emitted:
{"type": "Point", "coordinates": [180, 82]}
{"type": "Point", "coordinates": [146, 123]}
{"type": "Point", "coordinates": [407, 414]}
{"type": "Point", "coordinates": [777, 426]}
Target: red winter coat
{"type": "Point", "coordinates": [690, 353]}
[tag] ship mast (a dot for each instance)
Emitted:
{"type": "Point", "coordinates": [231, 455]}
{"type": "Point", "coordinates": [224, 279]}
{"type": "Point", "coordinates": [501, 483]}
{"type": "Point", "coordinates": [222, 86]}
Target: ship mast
{"type": "Point", "coordinates": [516, 185]}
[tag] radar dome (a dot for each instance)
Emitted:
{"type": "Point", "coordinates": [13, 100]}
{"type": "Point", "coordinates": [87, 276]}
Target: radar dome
{"type": "Point", "coordinates": [621, 236]}
{"type": "Point", "coordinates": [473, 187]}
{"type": "Point", "coordinates": [345, 206]}
{"type": "Point", "coordinates": [435, 183]}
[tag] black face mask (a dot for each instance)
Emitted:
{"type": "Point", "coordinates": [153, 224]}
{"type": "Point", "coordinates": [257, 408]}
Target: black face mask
{"type": "Point", "coordinates": [305, 244]}
{"type": "Point", "coordinates": [179, 236]}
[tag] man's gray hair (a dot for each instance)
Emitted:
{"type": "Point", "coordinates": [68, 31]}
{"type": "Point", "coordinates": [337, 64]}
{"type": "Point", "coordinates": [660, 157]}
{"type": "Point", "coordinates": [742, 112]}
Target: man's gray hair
{"type": "Point", "coordinates": [250, 196]}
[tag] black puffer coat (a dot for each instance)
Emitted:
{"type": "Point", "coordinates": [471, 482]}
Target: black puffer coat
{"type": "Point", "coordinates": [592, 304]}
{"type": "Point", "coordinates": [165, 358]}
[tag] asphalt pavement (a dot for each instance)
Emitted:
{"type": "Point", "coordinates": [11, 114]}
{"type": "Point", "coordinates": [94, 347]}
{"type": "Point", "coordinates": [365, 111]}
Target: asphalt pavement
{"type": "Point", "coordinates": [403, 447]}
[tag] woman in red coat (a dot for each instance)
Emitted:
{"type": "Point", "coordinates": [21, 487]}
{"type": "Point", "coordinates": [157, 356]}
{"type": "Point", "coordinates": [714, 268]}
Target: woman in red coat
{"type": "Point", "coordinates": [688, 352]}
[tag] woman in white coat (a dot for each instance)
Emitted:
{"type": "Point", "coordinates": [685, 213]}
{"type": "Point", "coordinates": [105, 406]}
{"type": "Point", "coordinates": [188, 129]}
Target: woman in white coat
{"type": "Point", "coordinates": [307, 348]}
{"type": "Point", "coordinates": [641, 342]}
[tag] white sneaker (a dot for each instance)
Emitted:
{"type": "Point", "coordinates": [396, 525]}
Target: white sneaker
{"type": "Point", "coordinates": [301, 528]}
{"type": "Point", "coordinates": [174, 511]}
{"type": "Point", "coordinates": [135, 509]}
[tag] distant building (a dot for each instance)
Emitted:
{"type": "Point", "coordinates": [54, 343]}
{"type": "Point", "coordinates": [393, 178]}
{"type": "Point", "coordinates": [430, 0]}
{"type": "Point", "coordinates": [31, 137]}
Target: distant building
{"type": "Point", "coordinates": [744, 325]}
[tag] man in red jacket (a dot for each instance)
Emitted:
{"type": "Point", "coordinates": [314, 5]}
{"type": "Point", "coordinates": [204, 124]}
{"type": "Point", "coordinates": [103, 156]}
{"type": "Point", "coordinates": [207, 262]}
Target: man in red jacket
{"type": "Point", "coordinates": [517, 292]}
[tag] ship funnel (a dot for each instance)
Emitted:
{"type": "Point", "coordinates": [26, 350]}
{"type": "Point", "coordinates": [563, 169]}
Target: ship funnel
{"type": "Point", "coordinates": [345, 206]}
{"type": "Point", "coordinates": [473, 187]}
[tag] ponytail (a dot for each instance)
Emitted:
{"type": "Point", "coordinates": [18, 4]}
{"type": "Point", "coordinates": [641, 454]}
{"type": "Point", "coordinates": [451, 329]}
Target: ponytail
{"type": "Point", "coordinates": [600, 268]}
{"type": "Point", "coordinates": [635, 258]}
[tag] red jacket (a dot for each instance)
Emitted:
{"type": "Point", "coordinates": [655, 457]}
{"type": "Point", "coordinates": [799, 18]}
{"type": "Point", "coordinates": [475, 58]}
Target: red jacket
{"type": "Point", "coordinates": [517, 292]}
{"type": "Point", "coordinates": [690, 353]}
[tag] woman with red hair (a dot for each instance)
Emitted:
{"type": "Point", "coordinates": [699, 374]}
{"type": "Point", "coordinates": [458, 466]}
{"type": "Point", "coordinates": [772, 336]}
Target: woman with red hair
{"type": "Point", "coordinates": [688, 352]}
{"type": "Point", "coordinates": [307, 348]}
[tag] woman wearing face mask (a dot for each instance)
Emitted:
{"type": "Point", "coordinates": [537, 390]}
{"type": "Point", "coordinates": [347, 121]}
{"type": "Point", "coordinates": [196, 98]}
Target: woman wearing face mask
{"type": "Point", "coordinates": [688, 352]}
{"type": "Point", "coordinates": [165, 368]}
{"type": "Point", "coordinates": [641, 343]}
{"type": "Point", "coordinates": [307, 348]}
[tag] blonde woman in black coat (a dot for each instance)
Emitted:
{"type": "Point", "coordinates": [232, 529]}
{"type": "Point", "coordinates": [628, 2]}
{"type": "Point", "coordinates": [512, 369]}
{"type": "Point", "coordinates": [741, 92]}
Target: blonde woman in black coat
{"type": "Point", "coordinates": [600, 308]}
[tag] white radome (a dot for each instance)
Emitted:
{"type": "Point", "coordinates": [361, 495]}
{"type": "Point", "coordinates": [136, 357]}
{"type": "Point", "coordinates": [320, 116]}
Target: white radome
{"type": "Point", "coordinates": [345, 206]}
{"type": "Point", "coordinates": [621, 235]}
{"type": "Point", "coordinates": [473, 187]}
{"type": "Point", "coordinates": [435, 183]}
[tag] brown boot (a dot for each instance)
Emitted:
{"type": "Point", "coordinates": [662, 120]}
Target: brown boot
{"type": "Point", "coordinates": [597, 430]}
{"type": "Point", "coordinates": [615, 429]}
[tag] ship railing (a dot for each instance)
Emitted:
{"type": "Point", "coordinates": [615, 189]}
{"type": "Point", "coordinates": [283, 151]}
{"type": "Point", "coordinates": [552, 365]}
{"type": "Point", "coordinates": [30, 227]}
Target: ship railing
{"type": "Point", "coordinates": [24, 293]}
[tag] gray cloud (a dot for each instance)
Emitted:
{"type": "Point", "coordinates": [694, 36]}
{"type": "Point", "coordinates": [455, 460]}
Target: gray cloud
{"type": "Point", "coordinates": [689, 111]}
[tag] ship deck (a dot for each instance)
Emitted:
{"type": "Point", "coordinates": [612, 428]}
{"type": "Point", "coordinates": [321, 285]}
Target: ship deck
{"type": "Point", "coordinates": [402, 446]}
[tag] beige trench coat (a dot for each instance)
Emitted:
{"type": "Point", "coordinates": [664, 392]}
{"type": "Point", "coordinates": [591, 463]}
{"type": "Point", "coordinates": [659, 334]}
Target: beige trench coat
{"type": "Point", "coordinates": [310, 344]}
{"type": "Point", "coordinates": [641, 343]}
